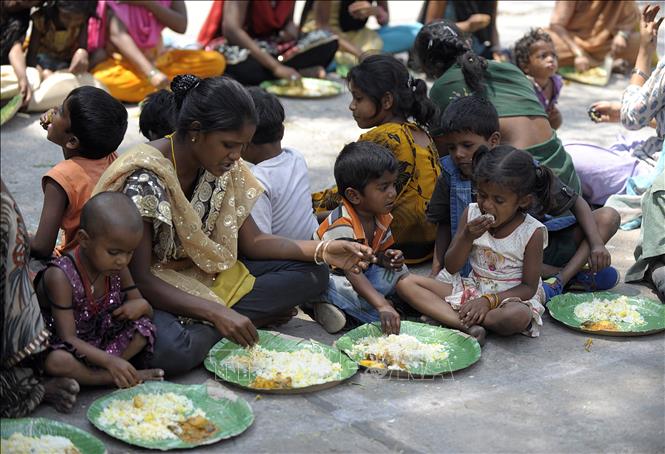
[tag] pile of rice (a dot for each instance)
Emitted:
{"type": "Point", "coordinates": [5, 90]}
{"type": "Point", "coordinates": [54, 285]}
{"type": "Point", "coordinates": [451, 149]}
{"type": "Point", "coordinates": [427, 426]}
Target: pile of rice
{"type": "Point", "coordinates": [614, 310]}
{"type": "Point", "coordinates": [18, 443]}
{"type": "Point", "coordinates": [304, 367]}
{"type": "Point", "coordinates": [399, 352]}
{"type": "Point", "coordinates": [149, 416]}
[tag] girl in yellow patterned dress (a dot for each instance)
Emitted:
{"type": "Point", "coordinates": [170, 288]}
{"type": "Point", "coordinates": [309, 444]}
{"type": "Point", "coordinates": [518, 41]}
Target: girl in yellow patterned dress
{"type": "Point", "coordinates": [395, 105]}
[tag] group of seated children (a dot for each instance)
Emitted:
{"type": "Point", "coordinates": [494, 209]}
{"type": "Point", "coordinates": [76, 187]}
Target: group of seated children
{"type": "Point", "coordinates": [497, 221]}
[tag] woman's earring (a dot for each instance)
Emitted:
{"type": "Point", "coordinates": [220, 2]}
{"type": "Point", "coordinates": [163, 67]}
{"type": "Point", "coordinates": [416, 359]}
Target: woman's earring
{"type": "Point", "coordinates": [193, 139]}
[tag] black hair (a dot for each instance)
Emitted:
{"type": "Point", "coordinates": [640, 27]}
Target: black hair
{"type": "Point", "coordinates": [87, 8]}
{"type": "Point", "coordinates": [110, 210]}
{"type": "Point", "coordinates": [217, 103]}
{"type": "Point", "coordinates": [97, 119]}
{"type": "Point", "coordinates": [270, 112]}
{"type": "Point", "coordinates": [441, 44]}
{"type": "Point", "coordinates": [377, 75]}
{"type": "Point", "coordinates": [157, 115]}
{"type": "Point", "coordinates": [522, 49]}
{"type": "Point", "coordinates": [361, 162]}
{"type": "Point", "coordinates": [516, 170]}
{"type": "Point", "coordinates": [473, 114]}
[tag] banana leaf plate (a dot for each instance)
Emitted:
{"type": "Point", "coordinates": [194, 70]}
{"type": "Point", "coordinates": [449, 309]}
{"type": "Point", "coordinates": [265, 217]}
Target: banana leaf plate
{"type": "Point", "coordinates": [562, 308]}
{"type": "Point", "coordinates": [278, 342]}
{"type": "Point", "coordinates": [230, 414]}
{"type": "Point", "coordinates": [463, 350]}
{"type": "Point", "coordinates": [305, 88]}
{"type": "Point", "coordinates": [9, 110]}
{"type": "Point", "coordinates": [36, 427]}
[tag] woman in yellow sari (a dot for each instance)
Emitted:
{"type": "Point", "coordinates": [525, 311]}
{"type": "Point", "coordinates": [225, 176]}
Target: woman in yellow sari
{"type": "Point", "coordinates": [385, 97]}
{"type": "Point", "coordinates": [129, 57]}
{"type": "Point", "coordinates": [202, 257]}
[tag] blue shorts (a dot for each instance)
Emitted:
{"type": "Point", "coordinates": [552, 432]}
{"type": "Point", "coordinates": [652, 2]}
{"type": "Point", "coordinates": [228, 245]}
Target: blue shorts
{"type": "Point", "coordinates": [341, 293]}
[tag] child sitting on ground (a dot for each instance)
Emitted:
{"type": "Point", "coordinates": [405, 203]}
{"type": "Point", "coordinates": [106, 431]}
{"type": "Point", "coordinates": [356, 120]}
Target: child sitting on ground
{"type": "Point", "coordinates": [89, 126]}
{"type": "Point", "coordinates": [98, 317]}
{"type": "Point", "coordinates": [504, 245]}
{"type": "Point", "coordinates": [536, 56]}
{"type": "Point", "coordinates": [366, 174]}
{"type": "Point", "coordinates": [395, 105]}
{"type": "Point", "coordinates": [472, 121]}
{"type": "Point", "coordinates": [285, 207]}
{"type": "Point", "coordinates": [157, 117]}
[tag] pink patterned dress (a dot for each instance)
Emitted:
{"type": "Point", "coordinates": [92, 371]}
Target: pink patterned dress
{"type": "Point", "coordinates": [94, 320]}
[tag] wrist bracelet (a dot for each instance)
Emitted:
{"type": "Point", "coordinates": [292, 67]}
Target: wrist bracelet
{"type": "Point", "coordinates": [323, 253]}
{"type": "Point", "coordinates": [316, 253]}
{"type": "Point", "coordinates": [640, 73]}
{"type": "Point", "coordinates": [493, 299]}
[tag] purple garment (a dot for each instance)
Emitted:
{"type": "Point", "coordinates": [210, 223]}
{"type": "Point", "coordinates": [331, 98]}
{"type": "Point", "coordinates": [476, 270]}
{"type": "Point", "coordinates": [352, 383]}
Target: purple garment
{"type": "Point", "coordinates": [98, 328]}
{"type": "Point", "coordinates": [557, 83]}
{"type": "Point", "coordinates": [604, 171]}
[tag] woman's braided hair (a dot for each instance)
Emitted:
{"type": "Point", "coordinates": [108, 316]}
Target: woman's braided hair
{"type": "Point", "coordinates": [441, 44]}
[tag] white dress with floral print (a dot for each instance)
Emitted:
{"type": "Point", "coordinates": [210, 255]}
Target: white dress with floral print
{"type": "Point", "coordinates": [497, 265]}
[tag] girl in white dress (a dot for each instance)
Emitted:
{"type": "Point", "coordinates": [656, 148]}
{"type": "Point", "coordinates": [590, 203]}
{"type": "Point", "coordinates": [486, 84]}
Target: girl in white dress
{"type": "Point", "coordinates": [504, 246]}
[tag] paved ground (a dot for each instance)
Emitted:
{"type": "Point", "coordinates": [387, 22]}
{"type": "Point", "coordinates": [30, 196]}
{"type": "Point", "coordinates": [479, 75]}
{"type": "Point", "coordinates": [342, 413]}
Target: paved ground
{"type": "Point", "coordinates": [524, 395]}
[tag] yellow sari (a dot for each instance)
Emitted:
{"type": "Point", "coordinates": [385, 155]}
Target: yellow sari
{"type": "Point", "coordinates": [418, 170]}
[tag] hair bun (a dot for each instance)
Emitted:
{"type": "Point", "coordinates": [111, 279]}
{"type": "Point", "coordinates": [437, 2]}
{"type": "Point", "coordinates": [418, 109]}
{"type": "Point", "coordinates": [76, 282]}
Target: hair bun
{"type": "Point", "coordinates": [181, 85]}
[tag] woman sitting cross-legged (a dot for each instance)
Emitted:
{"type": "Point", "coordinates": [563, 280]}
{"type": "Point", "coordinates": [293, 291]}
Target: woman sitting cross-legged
{"type": "Point", "coordinates": [202, 257]}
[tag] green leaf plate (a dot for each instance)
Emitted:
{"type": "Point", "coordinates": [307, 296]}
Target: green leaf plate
{"type": "Point", "coordinates": [311, 88]}
{"type": "Point", "coordinates": [562, 308]}
{"type": "Point", "coordinates": [35, 427]}
{"type": "Point", "coordinates": [9, 110]}
{"type": "Point", "coordinates": [463, 350]}
{"type": "Point", "coordinates": [278, 342]}
{"type": "Point", "coordinates": [228, 412]}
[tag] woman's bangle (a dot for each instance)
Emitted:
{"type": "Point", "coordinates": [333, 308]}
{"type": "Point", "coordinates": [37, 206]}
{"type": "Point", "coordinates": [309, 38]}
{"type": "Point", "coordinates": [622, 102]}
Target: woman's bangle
{"type": "Point", "coordinates": [323, 253]}
{"type": "Point", "coordinates": [316, 253]}
{"type": "Point", "coordinates": [640, 73]}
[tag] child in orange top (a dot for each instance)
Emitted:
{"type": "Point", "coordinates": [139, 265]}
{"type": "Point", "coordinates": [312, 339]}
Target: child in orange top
{"type": "Point", "coordinates": [89, 126]}
{"type": "Point", "coordinates": [365, 174]}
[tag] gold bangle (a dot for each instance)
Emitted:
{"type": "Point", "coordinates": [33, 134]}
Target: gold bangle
{"type": "Point", "coordinates": [316, 253]}
{"type": "Point", "coordinates": [325, 249]}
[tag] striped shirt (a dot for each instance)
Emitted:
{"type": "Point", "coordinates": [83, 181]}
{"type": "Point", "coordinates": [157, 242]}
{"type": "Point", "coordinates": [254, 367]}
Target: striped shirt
{"type": "Point", "coordinates": [343, 223]}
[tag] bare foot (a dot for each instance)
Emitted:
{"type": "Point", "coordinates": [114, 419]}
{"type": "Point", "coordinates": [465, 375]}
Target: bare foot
{"type": "Point", "coordinates": [150, 374]}
{"type": "Point", "coordinates": [318, 72]}
{"type": "Point", "coordinates": [61, 392]}
{"type": "Point", "coordinates": [478, 332]}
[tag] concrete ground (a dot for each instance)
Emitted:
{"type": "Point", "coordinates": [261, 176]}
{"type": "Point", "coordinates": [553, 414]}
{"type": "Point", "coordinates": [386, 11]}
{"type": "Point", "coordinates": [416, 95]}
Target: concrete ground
{"type": "Point", "coordinates": [524, 395]}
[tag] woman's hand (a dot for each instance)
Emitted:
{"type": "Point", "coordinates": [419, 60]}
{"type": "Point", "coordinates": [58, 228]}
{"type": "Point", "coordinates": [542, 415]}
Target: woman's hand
{"type": "Point", "coordinates": [285, 72]}
{"type": "Point", "coordinates": [123, 373]}
{"type": "Point", "coordinates": [619, 44]}
{"type": "Point", "coordinates": [361, 10]}
{"type": "Point", "coordinates": [133, 310]}
{"type": "Point", "coordinates": [25, 90]}
{"type": "Point", "coordinates": [236, 327]}
{"type": "Point", "coordinates": [606, 111]}
{"type": "Point", "coordinates": [80, 62]}
{"type": "Point", "coordinates": [474, 311]}
{"type": "Point", "coordinates": [582, 62]}
{"type": "Point", "coordinates": [348, 255]}
{"type": "Point", "coordinates": [649, 28]}
{"type": "Point", "coordinates": [390, 321]}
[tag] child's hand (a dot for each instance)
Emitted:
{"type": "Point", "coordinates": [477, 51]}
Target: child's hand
{"type": "Point", "coordinates": [554, 116]}
{"type": "Point", "coordinates": [599, 258]}
{"type": "Point", "coordinates": [133, 310]}
{"type": "Point", "coordinates": [390, 321]}
{"type": "Point", "coordinates": [393, 259]}
{"type": "Point", "coordinates": [46, 117]}
{"type": "Point", "coordinates": [477, 227]}
{"type": "Point", "coordinates": [123, 373]}
{"type": "Point", "coordinates": [474, 311]}
{"type": "Point", "coordinates": [80, 62]}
